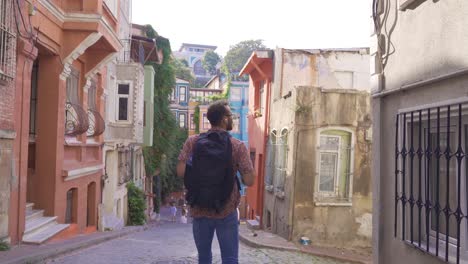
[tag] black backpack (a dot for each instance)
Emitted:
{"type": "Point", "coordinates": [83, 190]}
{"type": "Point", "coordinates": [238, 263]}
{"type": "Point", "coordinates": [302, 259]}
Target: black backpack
{"type": "Point", "coordinates": [209, 174]}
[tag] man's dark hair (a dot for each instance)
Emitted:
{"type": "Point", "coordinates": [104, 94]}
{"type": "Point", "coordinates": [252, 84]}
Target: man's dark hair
{"type": "Point", "coordinates": [216, 111]}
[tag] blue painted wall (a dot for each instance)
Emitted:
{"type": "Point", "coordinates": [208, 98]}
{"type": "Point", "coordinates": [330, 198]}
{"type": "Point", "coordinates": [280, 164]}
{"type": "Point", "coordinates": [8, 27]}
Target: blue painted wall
{"type": "Point", "coordinates": [238, 101]}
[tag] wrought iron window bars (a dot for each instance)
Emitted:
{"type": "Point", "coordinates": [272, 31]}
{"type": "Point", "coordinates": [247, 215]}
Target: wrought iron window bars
{"type": "Point", "coordinates": [430, 186]}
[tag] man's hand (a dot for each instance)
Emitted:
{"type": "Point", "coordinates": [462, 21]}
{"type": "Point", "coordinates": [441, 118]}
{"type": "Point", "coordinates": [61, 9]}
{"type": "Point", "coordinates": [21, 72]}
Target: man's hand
{"type": "Point", "coordinates": [180, 168]}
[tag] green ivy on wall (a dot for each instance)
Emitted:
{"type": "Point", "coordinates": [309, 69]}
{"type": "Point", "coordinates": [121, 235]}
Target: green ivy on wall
{"type": "Point", "coordinates": [168, 138]}
{"type": "Point", "coordinates": [196, 119]}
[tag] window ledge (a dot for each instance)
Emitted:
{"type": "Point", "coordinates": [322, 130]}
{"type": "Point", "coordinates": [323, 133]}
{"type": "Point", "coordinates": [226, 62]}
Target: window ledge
{"type": "Point", "coordinates": [333, 204]}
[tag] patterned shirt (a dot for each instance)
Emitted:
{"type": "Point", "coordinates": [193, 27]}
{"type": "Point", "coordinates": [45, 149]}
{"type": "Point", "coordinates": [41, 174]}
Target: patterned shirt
{"type": "Point", "coordinates": [242, 163]}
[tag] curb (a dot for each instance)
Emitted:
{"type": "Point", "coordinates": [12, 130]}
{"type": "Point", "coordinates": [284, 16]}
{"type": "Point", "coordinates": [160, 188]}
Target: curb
{"type": "Point", "coordinates": [55, 252]}
{"type": "Point", "coordinates": [255, 244]}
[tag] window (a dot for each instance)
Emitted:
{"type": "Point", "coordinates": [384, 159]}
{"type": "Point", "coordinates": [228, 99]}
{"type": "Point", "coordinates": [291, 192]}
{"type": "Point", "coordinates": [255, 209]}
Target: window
{"type": "Point", "coordinates": [72, 86]}
{"type": "Point", "coordinates": [281, 155]}
{"type": "Point", "coordinates": [123, 95]}
{"type": "Point", "coordinates": [260, 100]}
{"type": "Point", "coordinates": [182, 94]}
{"type": "Point", "coordinates": [206, 122]}
{"type": "Point", "coordinates": [198, 68]}
{"type": "Point", "coordinates": [92, 96]}
{"type": "Point", "coordinates": [235, 123]}
{"type": "Point", "coordinates": [7, 41]}
{"type": "Point", "coordinates": [92, 108]}
{"type": "Point", "coordinates": [33, 104]}
{"type": "Point", "coordinates": [182, 120]}
{"type": "Point", "coordinates": [236, 94]}
{"type": "Point", "coordinates": [334, 166]}
{"type": "Point", "coordinates": [192, 122]}
{"type": "Point", "coordinates": [173, 95]}
{"type": "Point", "coordinates": [270, 160]}
{"type": "Point", "coordinates": [430, 180]}
{"type": "Point", "coordinates": [125, 167]}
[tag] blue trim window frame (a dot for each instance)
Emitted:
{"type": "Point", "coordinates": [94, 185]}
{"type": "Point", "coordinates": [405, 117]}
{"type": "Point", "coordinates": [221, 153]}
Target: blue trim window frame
{"type": "Point", "coordinates": [182, 94]}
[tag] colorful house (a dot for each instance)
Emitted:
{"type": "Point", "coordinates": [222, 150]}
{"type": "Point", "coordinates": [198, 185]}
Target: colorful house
{"type": "Point", "coordinates": [317, 159]}
{"type": "Point", "coordinates": [259, 67]}
{"type": "Point", "coordinates": [57, 123]}
{"type": "Point", "coordinates": [239, 103]}
{"type": "Point", "coordinates": [129, 121]}
{"type": "Point", "coordinates": [179, 102]}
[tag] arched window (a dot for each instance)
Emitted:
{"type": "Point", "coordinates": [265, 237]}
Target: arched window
{"type": "Point", "coordinates": [270, 160]}
{"type": "Point", "coordinates": [334, 166]}
{"type": "Point", "coordinates": [198, 68]}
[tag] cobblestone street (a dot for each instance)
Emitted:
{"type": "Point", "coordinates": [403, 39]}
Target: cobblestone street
{"type": "Point", "coordinates": [172, 243]}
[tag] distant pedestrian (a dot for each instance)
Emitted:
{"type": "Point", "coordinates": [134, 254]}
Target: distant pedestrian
{"type": "Point", "coordinates": [173, 209]}
{"type": "Point", "coordinates": [210, 161]}
{"type": "Point", "coordinates": [183, 215]}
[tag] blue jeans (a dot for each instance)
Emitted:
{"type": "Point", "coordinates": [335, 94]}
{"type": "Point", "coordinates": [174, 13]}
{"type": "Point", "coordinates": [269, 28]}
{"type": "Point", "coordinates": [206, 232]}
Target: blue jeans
{"type": "Point", "coordinates": [227, 232]}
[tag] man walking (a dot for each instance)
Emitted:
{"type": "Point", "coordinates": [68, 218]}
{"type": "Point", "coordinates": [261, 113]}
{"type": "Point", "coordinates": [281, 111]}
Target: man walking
{"type": "Point", "coordinates": [213, 208]}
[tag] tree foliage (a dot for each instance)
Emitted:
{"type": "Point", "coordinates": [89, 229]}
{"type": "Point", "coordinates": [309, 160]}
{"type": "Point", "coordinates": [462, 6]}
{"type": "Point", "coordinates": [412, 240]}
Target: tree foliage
{"type": "Point", "coordinates": [182, 71]}
{"type": "Point", "coordinates": [136, 205]}
{"type": "Point", "coordinates": [210, 60]}
{"type": "Point", "coordinates": [237, 56]}
{"type": "Point", "coordinates": [168, 138]}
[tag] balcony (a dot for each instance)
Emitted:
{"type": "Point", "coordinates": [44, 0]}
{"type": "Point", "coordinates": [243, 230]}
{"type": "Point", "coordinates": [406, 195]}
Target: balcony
{"type": "Point", "coordinates": [96, 123]}
{"type": "Point", "coordinates": [76, 120]}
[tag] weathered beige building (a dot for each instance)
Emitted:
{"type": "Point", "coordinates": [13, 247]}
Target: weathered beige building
{"type": "Point", "coordinates": [419, 102]}
{"type": "Point", "coordinates": [317, 175]}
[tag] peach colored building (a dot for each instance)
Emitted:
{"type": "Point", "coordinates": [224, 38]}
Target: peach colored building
{"type": "Point", "coordinates": [57, 127]}
{"type": "Point", "coordinates": [259, 68]}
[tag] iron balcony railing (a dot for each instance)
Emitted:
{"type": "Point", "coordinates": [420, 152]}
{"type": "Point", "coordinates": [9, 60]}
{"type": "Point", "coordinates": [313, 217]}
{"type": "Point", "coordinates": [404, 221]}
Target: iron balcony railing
{"type": "Point", "coordinates": [96, 123]}
{"type": "Point", "coordinates": [431, 185]}
{"type": "Point", "coordinates": [76, 119]}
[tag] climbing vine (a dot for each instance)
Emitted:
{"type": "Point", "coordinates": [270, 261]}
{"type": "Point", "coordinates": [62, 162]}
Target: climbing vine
{"type": "Point", "coordinates": [196, 119]}
{"type": "Point", "coordinates": [168, 138]}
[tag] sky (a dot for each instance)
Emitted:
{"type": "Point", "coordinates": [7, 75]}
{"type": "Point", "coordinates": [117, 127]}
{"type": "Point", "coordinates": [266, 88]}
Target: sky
{"type": "Point", "coordinates": [291, 24]}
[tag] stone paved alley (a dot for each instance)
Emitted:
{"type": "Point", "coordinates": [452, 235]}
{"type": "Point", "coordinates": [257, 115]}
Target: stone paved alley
{"type": "Point", "coordinates": [172, 243]}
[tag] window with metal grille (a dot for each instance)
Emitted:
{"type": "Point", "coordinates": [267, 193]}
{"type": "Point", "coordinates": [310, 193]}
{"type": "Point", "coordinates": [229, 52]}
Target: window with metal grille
{"type": "Point", "coordinates": [270, 160]}
{"type": "Point", "coordinates": [281, 156]}
{"type": "Point", "coordinates": [431, 203]}
{"type": "Point", "coordinates": [7, 41]}
{"type": "Point", "coordinates": [334, 166]}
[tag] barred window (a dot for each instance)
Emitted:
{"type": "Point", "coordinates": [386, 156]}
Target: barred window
{"type": "Point", "coordinates": [334, 166]}
{"type": "Point", "coordinates": [270, 160]}
{"type": "Point", "coordinates": [7, 41]}
{"type": "Point", "coordinates": [277, 156]}
{"type": "Point", "coordinates": [431, 205]}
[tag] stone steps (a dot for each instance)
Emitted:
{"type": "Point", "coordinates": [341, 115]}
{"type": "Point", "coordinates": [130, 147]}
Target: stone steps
{"type": "Point", "coordinates": [40, 228]}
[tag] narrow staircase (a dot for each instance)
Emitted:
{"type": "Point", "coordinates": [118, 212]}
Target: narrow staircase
{"type": "Point", "coordinates": [40, 228]}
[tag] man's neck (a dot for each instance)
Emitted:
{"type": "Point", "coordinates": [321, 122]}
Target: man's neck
{"type": "Point", "coordinates": [218, 128]}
